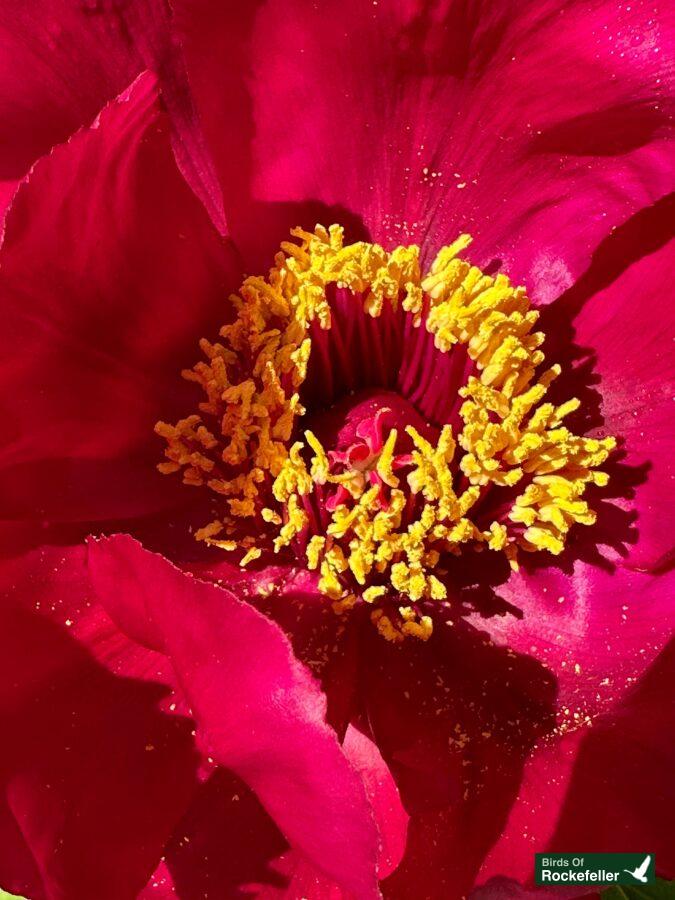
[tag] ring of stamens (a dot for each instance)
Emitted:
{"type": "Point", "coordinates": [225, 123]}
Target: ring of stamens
{"type": "Point", "coordinates": [393, 516]}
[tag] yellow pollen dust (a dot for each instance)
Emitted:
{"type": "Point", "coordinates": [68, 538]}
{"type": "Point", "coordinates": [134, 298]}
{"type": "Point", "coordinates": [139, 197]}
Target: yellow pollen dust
{"type": "Point", "coordinates": [386, 539]}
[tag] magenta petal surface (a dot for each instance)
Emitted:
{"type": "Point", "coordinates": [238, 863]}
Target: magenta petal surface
{"type": "Point", "coordinates": [304, 880]}
{"type": "Point", "coordinates": [226, 811]}
{"type": "Point", "coordinates": [258, 710]}
{"type": "Point", "coordinates": [621, 793]}
{"type": "Point", "coordinates": [295, 603]}
{"type": "Point", "coordinates": [149, 24]}
{"type": "Point", "coordinates": [629, 328]}
{"type": "Point", "coordinates": [61, 62]}
{"type": "Point", "coordinates": [455, 719]}
{"type": "Point", "coordinates": [110, 271]}
{"type": "Point", "coordinates": [605, 788]}
{"type": "Point", "coordinates": [596, 630]}
{"type": "Point", "coordinates": [225, 845]}
{"type": "Point", "coordinates": [381, 788]}
{"type": "Point", "coordinates": [413, 122]}
{"type": "Point", "coordinates": [95, 771]}
{"type": "Point", "coordinates": [535, 812]}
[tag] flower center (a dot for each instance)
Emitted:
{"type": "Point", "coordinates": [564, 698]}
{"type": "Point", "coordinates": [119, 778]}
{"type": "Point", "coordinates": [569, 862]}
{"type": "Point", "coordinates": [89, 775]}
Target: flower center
{"type": "Point", "coordinates": [447, 445]}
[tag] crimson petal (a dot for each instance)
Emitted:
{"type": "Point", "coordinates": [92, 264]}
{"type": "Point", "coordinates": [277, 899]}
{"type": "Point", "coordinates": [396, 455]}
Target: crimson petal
{"type": "Point", "coordinates": [225, 843]}
{"type": "Point", "coordinates": [258, 859]}
{"type": "Point", "coordinates": [259, 711]}
{"type": "Point", "coordinates": [603, 789]}
{"type": "Point", "coordinates": [621, 793]}
{"type": "Point", "coordinates": [413, 122]}
{"type": "Point", "coordinates": [110, 272]}
{"type": "Point", "coordinates": [455, 719]}
{"type": "Point", "coordinates": [596, 630]}
{"type": "Point", "coordinates": [628, 330]}
{"type": "Point", "coordinates": [149, 23]}
{"type": "Point", "coordinates": [95, 775]}
{"type": "Point", "coordinates": [60, 63]}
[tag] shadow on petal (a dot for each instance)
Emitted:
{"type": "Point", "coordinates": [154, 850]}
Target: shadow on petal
{"type": "Point", "coordinates": [95, 776]}
{"type": "Point", "coordinates": [455, 719]}
{"type": "Point", "coordinates": [225, 842]}
{"type": "Point", "coordinates": [621, 794]}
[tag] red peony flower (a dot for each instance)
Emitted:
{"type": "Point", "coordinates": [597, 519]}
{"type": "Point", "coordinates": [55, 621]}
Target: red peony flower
{"type": "Point", "coordinates": [408, 622]}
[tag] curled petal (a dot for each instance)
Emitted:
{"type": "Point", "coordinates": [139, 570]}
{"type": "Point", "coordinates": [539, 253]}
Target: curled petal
{"type": "Point", "coordinates": [150, 26]}
{"type": "Point", "coordinates": [109, 272]}
{"type": "Point", "coordinates": [259, 711]}
{"type": "Point", "coordinates": [98, 770]}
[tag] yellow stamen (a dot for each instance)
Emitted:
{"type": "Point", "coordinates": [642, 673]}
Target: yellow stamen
{"type": "Point", "coordinates": [384, 463]}
{"type": "Point", "coordinates": [394, 529]}
{"type": "Point", "coordinates": [250, 555]}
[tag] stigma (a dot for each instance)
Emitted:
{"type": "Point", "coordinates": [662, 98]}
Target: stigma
{"type": "Point", "coordinates": [378, 421]}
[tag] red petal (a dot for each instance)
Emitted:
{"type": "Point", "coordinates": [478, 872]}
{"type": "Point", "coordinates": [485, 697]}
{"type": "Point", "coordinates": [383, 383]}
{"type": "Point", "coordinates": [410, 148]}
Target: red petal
{"type": "Point", "coordinates": [621, 794]}
{"type": "Point", "coordinates": [292, 599]}
{"type": "Point", "coordinates": [227, 812]}
{"type": "Point", "coordinates": [95, 775]}
{"type": "Point", "coordinates": [60, 63]}
{"type": "Point", "coordinates": [110, 271]}
{"type": "Point", "coordinates": [259, 710]}
{"type": "Point", "coordinates": [224, 844]}
{"type": "Point", "coordinates": [150, 26]}
{"type": "Point", "coordinates": [381, 788]}
{"type": "Point", "coordinates": [604, 789]}
{"type": "Point", "coordinates": [455, 720]}
{"type": "Point", "coordinates": [628, 328]}
{"type": "Point", "coordinates": [436, 120]}
{"type": "Point", "coordinates": [596, 630]}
